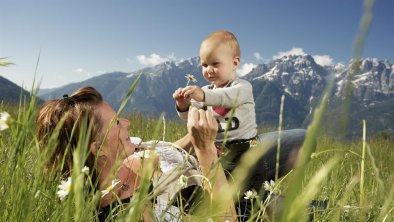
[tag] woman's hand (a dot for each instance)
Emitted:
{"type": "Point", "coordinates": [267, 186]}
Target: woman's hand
{"type": "Point", "coordinates": [202, 128]}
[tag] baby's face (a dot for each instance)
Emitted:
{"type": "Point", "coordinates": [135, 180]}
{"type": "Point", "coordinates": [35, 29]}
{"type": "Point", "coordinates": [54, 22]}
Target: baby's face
{"type": "Point", "coordinates": [218, 63]}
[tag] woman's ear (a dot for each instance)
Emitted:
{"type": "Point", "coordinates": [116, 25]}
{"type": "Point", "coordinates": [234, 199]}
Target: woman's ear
{"type": "Point", "coordinates": [93, 148]}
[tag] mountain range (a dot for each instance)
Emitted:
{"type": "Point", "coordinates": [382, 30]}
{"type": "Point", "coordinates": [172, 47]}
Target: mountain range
{"type": "Point", "coordinates": [10, 93]}
{"type": "Point", "coordinates": [298, 77]}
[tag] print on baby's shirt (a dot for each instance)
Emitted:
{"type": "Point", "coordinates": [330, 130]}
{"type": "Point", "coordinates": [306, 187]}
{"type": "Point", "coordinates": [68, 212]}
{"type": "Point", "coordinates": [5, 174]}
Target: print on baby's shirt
{"type": "Point", "coordinates": [234, 124]}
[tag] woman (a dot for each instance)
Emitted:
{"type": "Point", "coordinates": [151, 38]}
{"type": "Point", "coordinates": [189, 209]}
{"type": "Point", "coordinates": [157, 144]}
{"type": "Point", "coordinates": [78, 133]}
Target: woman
{"type": "Point", "coordinates": [112, 155]}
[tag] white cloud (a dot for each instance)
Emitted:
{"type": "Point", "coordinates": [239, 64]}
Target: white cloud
{"type": "Point", "coordinates": [171, 57]}
{"type": "Point", "coordinates": [257, 56]}
{"type": "Point", "coordinates": [323, 60]}
{"type": "Point", "coordinates": [293, 51]}
{"type": "Point", "coordinates": [154, 59]}
{"type": "Point", "coordinates": [81, 71]}
{"type": "Point", "coordinates": [245, 69]}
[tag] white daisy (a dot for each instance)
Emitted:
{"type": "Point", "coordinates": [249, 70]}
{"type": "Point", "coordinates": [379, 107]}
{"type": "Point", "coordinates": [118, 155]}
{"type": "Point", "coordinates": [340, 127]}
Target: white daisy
{"type": "Point", "coordinates": [110, 188]}
{"type": "Point", "coordinates": [64, 188]}
{"type": "Point", "coordinates": [189, 78]}
{"type": "Point", "coordinates": [4, 120]}
{"type": "Point", "coordinates": [85, 170]}
{"type": "Point", "coordinates": [250, 195]}
{"type": "Point", "coordinates": [269, 186]}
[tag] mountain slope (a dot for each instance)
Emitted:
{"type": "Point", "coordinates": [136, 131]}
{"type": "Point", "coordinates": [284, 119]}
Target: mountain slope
{"type": "Point", "coordinates": [10, 93]}
{"type": "Point", "coordinates": [153, 93]}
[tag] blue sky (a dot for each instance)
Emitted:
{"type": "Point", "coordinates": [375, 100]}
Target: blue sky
{"type": "Point", "coordinates": [81, 39]}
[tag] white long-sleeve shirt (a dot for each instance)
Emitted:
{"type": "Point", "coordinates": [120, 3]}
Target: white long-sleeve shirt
{"type": "Point", "coordinates": [238, 94]}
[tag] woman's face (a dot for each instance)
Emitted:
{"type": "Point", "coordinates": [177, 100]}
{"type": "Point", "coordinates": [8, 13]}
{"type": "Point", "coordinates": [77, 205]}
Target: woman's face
{"type": "Point", "coordinates": [117, 143]}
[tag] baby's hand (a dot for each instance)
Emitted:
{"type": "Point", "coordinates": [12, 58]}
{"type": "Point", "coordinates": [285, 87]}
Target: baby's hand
{"type": "Point", "coordinates": [182, 103]}
{"type": "Point", "coordinates": [193, 92]}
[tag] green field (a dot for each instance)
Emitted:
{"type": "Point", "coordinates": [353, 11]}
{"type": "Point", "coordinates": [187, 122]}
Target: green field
{"type": "Point", "coordinates": [356, 188]}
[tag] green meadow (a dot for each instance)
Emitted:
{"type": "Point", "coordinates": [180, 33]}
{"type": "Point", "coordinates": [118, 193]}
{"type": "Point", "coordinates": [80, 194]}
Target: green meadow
{"type": "Point", "coordinates": [355, 179]}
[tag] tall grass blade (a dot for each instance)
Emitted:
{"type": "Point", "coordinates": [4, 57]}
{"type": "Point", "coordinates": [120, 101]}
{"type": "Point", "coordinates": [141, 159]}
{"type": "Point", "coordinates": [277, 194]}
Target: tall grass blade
{"type": "Point", "coordinates": [362, 173]}
{"type": "Point", "coordinates": [356, 62]}
{"type": "Point", "coordinates": [282, 101]}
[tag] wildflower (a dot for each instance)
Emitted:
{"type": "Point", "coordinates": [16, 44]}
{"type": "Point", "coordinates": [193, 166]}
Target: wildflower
{"type": "Point", "coordinates": [114, 182]}
{"type": "Point", "coordinates": [250, 195]}
{"type": "Point", "coordinates": [183, 180]}
{"type": "Point", "coordinates": [4, 120]}
{"type": "Point", "coordinates": [64, 188]}
{"type": "Point", "coordinates": [189, 78]}
{"type": "Point", "coordinates": [209, 220]}
{"type": "Point", "coordinates": [85, 170]}
{"type": "Point", "coordinates": [269, 186]}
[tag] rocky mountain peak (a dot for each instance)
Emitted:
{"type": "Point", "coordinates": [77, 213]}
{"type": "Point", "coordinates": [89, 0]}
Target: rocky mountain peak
{"type": "Point", "coordinates": [193, 61]}
{"type": "Point", "coordinates": [374, 81]}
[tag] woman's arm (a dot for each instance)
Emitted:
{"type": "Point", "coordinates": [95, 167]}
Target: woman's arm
{"type": "Point", "coordinates": [202, 128]}
{"type": "Point", "coordinates": [185, 143]}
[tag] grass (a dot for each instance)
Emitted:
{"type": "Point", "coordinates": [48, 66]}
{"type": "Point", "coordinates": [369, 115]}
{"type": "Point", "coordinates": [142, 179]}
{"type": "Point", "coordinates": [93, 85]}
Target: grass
{"type": "Point", "coordinates": [333, 174]}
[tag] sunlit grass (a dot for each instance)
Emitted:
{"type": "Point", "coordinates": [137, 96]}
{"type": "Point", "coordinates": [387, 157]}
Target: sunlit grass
{"type": "Point", "coordinates": [30, 195]}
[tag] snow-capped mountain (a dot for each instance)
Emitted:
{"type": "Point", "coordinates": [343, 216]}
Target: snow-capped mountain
{"type": "Point", "coordinates": [373, 82]}
{"type": "Point", "coordinates": [298, 77]}
{"type": "Point", "coordinates": [303, 82]}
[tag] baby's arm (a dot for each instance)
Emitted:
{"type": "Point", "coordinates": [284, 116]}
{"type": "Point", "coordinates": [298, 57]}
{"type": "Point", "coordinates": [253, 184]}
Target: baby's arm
{"type": "Point", "coordinates": [193, 92]}
{"type": "Point", "coordinates": [240, 93]}
{"type": "Point", "coordinates": [185, 97]}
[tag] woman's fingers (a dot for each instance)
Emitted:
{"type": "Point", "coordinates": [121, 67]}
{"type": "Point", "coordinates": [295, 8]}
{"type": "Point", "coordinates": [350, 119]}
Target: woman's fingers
{"type": "Point", "coordinates": [192, 117]}
{"type": "Point", "coordinates": [202, 128]}
{"type": "Point", "coordinates": [211, 121]}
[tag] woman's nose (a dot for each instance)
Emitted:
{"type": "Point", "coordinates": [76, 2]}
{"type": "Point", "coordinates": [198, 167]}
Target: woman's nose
{"type": "Point", "coordinates": [126, 122]}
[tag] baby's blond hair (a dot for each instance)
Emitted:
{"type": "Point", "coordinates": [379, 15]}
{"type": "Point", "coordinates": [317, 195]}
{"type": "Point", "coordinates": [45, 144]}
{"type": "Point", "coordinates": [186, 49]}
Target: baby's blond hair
{"type": "Point", "coordinates": [223, 36]}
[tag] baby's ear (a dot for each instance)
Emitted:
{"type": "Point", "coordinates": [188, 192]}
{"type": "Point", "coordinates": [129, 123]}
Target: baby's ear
{"type": "Point", "coordinates": [236, 61]}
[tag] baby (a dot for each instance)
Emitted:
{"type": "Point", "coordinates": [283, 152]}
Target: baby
{"type": "Point", "coordinates": [229, 98]}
